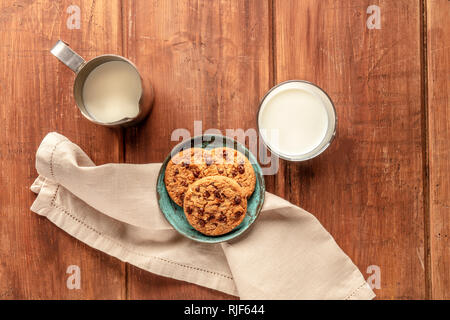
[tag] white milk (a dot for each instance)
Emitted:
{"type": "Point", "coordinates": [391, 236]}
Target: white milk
{"type": "Point", "coordinates": [296, 119]}
{"type": "Point", "coordinates": [111, 92]}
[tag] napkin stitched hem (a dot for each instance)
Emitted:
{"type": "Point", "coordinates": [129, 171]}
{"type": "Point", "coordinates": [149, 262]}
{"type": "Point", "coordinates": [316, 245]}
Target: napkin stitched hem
{"type": "Point", "coordinates": [49, 206]}
{"type": "Point", "coordinates": [70, 215]}
{"type": "Point", "coordinates": [52, 172]}
{"type": "Point", "coordinates": [364, 285]}
{"type": "Point", "coordinates": [65, 211]}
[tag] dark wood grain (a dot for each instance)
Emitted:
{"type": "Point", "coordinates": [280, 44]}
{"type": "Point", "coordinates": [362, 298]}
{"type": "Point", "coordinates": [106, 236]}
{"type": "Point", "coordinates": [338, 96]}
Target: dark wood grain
{"type": "Point", "coordinates": [36, 98]}
{"type": "Point", "coordinates": [367, 188]}
{"type": "Point", "coordinates": [208, 61]}
{"type": "Point", "coordinates": [438, 58]}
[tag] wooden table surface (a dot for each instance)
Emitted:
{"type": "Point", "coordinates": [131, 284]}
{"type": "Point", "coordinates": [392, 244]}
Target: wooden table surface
{"type": "Point", "coordinates": [382, 189]}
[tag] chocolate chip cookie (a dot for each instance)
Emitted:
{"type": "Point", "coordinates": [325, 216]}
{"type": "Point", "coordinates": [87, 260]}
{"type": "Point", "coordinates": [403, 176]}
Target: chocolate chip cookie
{"type": "Point", "coordinates": [183, 169]}
{"type": "Point", "coordinates": [215, 205]}
{"type": "Point", "coordinates": [233, 164]}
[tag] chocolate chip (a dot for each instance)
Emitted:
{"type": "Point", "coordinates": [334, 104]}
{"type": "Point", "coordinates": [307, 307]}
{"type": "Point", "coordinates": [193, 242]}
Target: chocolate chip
{"type": "Point", "coordinates": [217, 194]}
{"type": "Point", "coordinates": [184, 164]}
{"type": "Point", "coordinates": [201, 222]}
{"type": "Point", "coordinates": [174, 180]}
{"type": "Point", "coordinates": [189, 210]}
{"type": "Point", "coordinates": [184, 183]}
{"type": "Point", "coordinates": [237, 200]}
{"type": "Point", "coordinates": [220, 171]}
{"type": "Point", "coordinates": [176, 171]}
{"type": "Point", "coordinates": [197, 189]}
{"type": "Point", "coordinates": [195, 174]}
{"type": "Point", "coordinates": [181, 196]}
{"type": "Point", "coordinates": [237, 214]}
{"type": "Point", "coordinates": [222, 218]}
{"type": "Point", "coordinates": [206, 194]}
{"type": "Point", "coordinates": [224, 153]}
{"type": "Point", "coordinates": [210, 217]}
{"type": "Point", "coordinates": [241, 169]}
{"type": "Point", "coordinates": [234, 173]}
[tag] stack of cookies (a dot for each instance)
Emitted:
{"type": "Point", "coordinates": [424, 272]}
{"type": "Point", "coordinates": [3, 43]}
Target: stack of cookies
{"type": "Point", "coordinates": [212, 186]}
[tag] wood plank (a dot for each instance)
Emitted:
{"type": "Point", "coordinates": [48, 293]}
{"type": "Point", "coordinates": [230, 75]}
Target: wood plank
{"type": "Point", "coordinates": [438, 62]}
{"type": "Point", "coordinates": [367, 189]}
{"type": "Point", "coordinates": [208, 61]}
{"type": "Point", "coordinates": [36, 98]}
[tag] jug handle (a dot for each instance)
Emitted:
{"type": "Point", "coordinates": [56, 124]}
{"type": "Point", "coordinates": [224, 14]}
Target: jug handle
{"type": "Point", "coordinates": [67, 56]}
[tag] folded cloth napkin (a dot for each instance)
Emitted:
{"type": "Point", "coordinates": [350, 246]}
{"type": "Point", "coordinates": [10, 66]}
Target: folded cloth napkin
{"type": "Point", "coordinates": [287, 254]}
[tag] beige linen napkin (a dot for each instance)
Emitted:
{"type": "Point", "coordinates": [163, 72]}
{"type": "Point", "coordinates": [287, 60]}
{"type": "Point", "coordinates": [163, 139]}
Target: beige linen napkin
{"type": "Point", "coordinates": [287, 254]}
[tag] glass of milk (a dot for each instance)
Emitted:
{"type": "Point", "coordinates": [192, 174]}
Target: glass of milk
{"type": "Point", "coordinates": [108, 89]}
{"type": "Point", "coordinates": [297, 120]}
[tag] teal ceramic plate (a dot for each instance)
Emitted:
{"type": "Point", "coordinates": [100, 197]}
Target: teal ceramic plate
{"type": "Point", "coordinates": [174, 213]}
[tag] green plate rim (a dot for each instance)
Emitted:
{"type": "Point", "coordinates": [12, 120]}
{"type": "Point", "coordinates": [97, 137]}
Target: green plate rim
{"type": "Point", "coordinates": [195, 142]}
